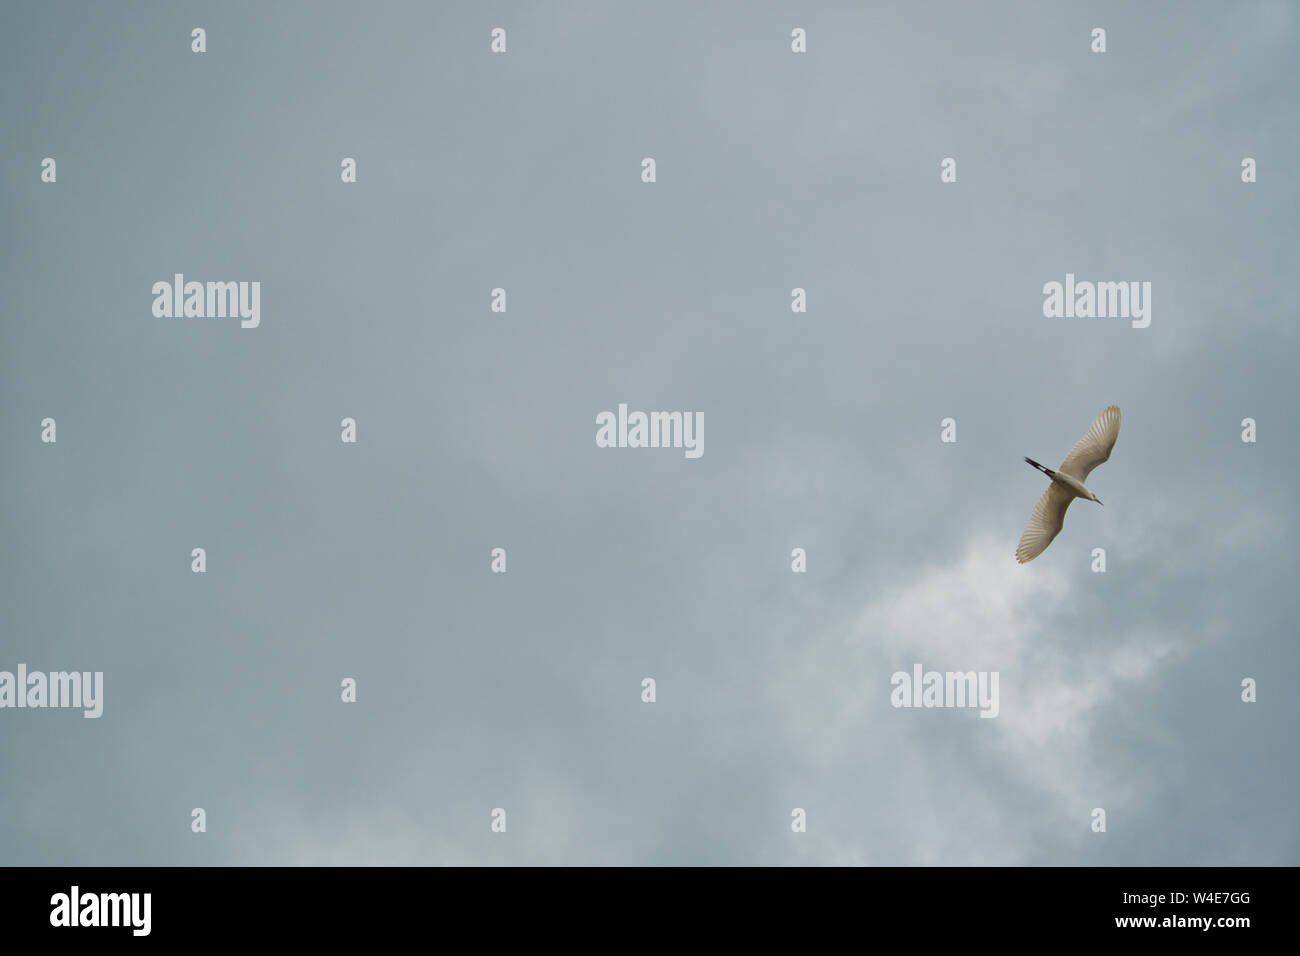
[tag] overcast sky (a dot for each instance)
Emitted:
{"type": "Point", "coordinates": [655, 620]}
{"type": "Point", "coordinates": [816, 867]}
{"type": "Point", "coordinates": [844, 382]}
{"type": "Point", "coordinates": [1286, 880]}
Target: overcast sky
{"type": "Point", "coordinates": [476, 430]}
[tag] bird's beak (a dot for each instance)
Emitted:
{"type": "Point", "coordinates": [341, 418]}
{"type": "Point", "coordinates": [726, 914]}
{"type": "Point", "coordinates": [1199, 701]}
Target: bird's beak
{"type": "Point", "coordinates": [1100, 502]}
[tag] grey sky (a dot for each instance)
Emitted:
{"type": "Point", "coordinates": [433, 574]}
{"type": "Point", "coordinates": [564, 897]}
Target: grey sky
{"type": "Point", "coordinates": [476, 430]}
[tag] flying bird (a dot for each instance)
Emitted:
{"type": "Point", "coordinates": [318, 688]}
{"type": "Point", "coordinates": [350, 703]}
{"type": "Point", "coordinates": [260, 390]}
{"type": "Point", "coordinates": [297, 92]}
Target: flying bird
{"type": "Point", "coordinates": [1067, 484]}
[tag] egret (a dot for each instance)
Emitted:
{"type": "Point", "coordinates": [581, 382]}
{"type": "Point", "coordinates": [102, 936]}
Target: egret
{"type": "Point", "coordinates": [1067, 484]}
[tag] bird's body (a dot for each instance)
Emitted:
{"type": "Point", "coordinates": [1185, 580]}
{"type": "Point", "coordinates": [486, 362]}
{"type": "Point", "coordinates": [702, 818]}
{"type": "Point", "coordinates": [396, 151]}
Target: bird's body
{"type": "Point", "coordinates": [1067, 484]}
{"type": "Point", "coordinates": [1076, 487]}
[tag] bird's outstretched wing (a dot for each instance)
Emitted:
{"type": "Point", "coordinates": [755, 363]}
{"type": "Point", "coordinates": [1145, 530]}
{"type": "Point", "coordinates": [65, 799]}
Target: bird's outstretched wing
{"type": "Point", "coordinates": [1045, 523]}
{"type": "Point", "coordinates": [1094, 447]}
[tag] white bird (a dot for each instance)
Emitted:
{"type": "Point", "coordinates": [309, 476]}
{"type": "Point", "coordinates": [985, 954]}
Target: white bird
{"type": "Point", "coordinates": [1067, 484]}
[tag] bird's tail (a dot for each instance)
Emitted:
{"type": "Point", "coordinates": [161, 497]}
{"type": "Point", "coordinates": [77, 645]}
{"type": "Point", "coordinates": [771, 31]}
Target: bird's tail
{"type": "Point", "coordinates": [1046, 471]}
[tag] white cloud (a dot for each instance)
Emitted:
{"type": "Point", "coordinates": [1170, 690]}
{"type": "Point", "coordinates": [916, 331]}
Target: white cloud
{"type": "Point", "coordinates": [980, 610]}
